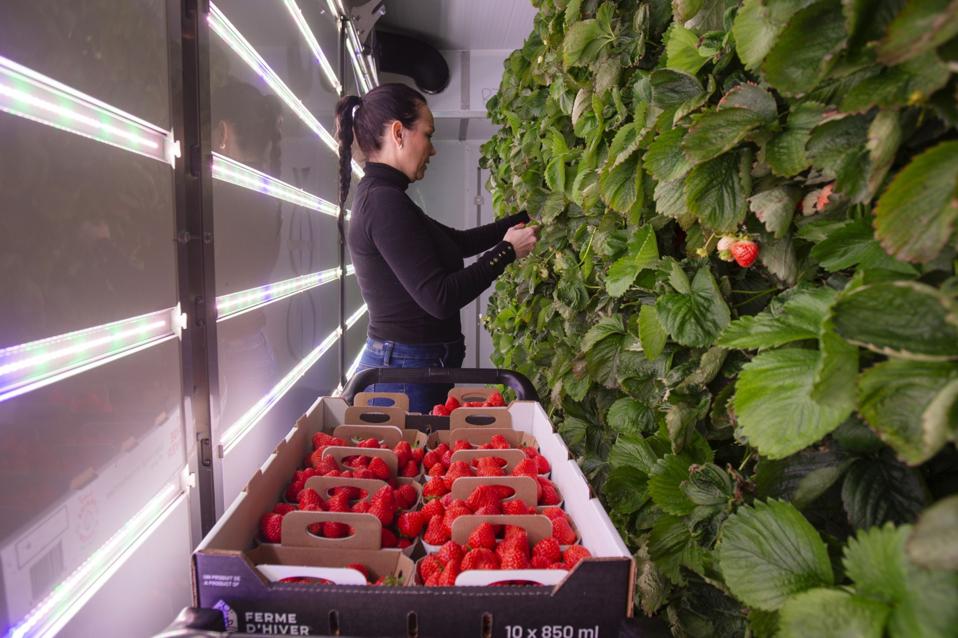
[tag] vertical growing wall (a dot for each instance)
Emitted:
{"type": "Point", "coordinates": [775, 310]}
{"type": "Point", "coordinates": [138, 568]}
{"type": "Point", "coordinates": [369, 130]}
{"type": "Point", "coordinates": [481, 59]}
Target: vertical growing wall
{"type": "Point", "coordinates": [743, 309]}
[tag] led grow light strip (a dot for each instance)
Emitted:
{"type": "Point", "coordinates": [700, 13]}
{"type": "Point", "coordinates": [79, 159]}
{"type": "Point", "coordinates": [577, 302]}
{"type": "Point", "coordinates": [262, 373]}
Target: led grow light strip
{"type": "Point", "coordinates": [241, 46]}
{"type": "Point", "coordinates": [355, 364]}
{"type": "Point", "coordinates": [229, 170]}
{"type": "Point", "coordinates": [360, 63]}
{"type": "Point", "coordinates": [353, 318]}
{"type": "Point", "coordinates": [33, 96]}
{"type": "Point", "coordinates": [36, 364]}
{"type": "Point", "coordinates": [307, 34]}
{"type": "Point", "coordinates": [350, 270]}
{"type": "Point", "coordinates": [234, 434]}
{"type": "Point", "coordinates": [234, 304]}
{"type": "Point", "coordinates": [56, 610]}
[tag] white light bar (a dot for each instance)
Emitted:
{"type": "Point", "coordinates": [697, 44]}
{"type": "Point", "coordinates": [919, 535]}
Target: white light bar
{"type": "Point", "coordinates": [36, 364]}
{"type": "Point", "coordinates": [350, 270]}
{"type": "Point", "coordinates": [234, 434]}
{"type": "Point", "coordinates": [362, 66]}
{"type": "Point", "coordinates": [229, 170]}
{"type": "Point", "coordinates": [31, 95]}
{"type": "Point", "coordinates": [234, 304]}
{"type": "Point", "coordinates": [56, 610]}
{"type": "Point", "coordinates": [349, 373]}
{"type": "Point", "coordinates": [356, 316]}
{"type": "Point", "coordinates": [241, 46]}
{"type": "Point", "coordinates": [307, 34]}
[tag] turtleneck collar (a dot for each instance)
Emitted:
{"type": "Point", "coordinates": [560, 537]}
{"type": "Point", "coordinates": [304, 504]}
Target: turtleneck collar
{"type": "Point", "coordinates": [387, 173]}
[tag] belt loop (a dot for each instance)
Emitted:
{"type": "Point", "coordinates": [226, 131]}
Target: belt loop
{"type": "Point", "coordinates": [387, 352]}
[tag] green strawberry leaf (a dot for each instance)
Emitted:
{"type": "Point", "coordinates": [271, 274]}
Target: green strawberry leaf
{"type": "Point", "coordinates": [665, 484]}
{"type": "Point", "coordinates": [932, 543]}
{"type": "Point", "coordinates": [758, 24]}
{"type": "Point", "coordinates": [900, 318]}
{"type": "Point", "coordinates": [775, 208]}
{"type": "Point", "coordinates": [881, 490]}
{"type": "Point", "coordinates": [716, 191]}
{"type": "Point", "coordinates": [642, 253]}
{"type": "Point", "coordinates": [629, 416]}
{"type": "Point", "coordinates": [853, 244]}
{"type": "Point", "coordinates": [785, 152]}
{"type": "Point", "coordinates": [664, 159]}
{"type": "Point", "coordinates": [802, 477]}
{"type": "Point", "coordinates": [916, 215]}
{"type": "Point", "coordinates": [806, 49]}
{"type": "Point", "coordinates": [769, 552]}
{"type": "Point", "coordinates": [832, 613]}
{"type": "Point", "coordinates": [921, 26]}
{"type": "Point", "coordinates": [651, 333]}
{"type": "Point", "coordinates": [897, 399]}
{"type": "Point", "coordinates": [694, 318]}
{"type": "Point", "coordinates": [774, 404]}
{"type": "Point", "coordinates": [800, 317]}
{"type": "Point", "coordinates": [902, 85]}
{"type": "Point", "coordinates": [715, 132]}
{"type": "Point", "coordinates": [681, 50]}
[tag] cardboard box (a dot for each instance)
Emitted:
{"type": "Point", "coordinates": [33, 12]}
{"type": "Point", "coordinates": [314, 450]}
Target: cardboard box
{"type": "Point", "coordinates": [590, 601]}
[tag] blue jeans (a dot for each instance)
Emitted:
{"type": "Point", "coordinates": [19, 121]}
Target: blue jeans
{"type": "Point", "coordinates": [390, 354]}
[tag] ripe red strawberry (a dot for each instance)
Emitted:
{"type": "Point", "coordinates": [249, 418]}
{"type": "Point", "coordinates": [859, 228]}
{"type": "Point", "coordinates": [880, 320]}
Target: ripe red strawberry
{"type": "Point", "coordinates": [457, 470]}
{"type": "Point", "coordinates": [430, 458]}
{"type": "Point", "coordinates": [542, 464]}
{"type": "Point", "coordinates": [452, 403]}
{"type": "Point", "coordinates": [388, 581]}
{"type": "Point", "coordinates": [548, 550]}
{"type": "Point", "coordinates": [404, 543]}
{"type": "Point", "coordinates": [383, 512]}
{"type": "Point", "coordinates": [538, 562]}
{"type": "Point", "coordinates": [270, 526]}
{"type": "Point", "coordinates": [453, 512]}
{"type": "Point", "coordinates": [446, 458]}
{"type": "Point", "coordinates": [435, 488]}
{"type": "Point", "coordinates": [410, 524]}
{"type": "Point", "coordinates": [574, 554]}
{"type": "Point", "coordinates": [822, 201]}
{"type": "Point", "coordinates": [433, 580]}
{"type": "Point", "coordinates": [362, 569]}
{"type": "Point", "coordinates": [331, 529]}
{"type": "Point", "coordinates": [437, 470]}
{"type": "Point", "coordinates": [432, 508]}
{"type": "Point", "coordinates": [436, 533]}
{"type": "Point", "coordinates": [448, 576]}
{"type": "Point", "coordinates": [482, 495]}
{"type": "Point", "coordinates": [371, 442]}
{"type": "Point", "coordinates": [516, 507]}
{"type": "Point", "coordinates": [490, 470]}
{"type": "Point", "coordinates": [430, 565]}
{"type": "Point", "coordinates": [292, 492]}
{"type": "Point", "coordinates": [418, 453]}
{"type": "Point", "coordinates": [490, 509]}
{"type": "Point", "coordinates": [515, 531]}
{"type": "Point", "coordinates": [549, 494]}
{"type": "Point", "coordinates": [482, 536]}
{"type": "Point", "coordinates": [388, 539]}
{"type": "Point", "coordinates": [474, 404]}
{"type": "Point", "coordinates": [361, 507]}
{"type": "Point", "coordinates": [410, 469]}
{"type": "Point", "coordinates": [744, 252]}
{"type": "Point", "coordinates": [321, 439]}
{"type": "Point", "coordinates": [513, 558]}
{"type": "Point", "coordinates": [554, 512]}
{"type": "Point", "coordinates": [379, 469]}
{"type": "Point", "coordinates": [499, 442]}
{"type": "Point", "coordinates": [403, 452]}
{"type": "Point", "coordinates": [495, 400]}
{"type": "Point", "coordinates": [461, 444]}
{"type": "Point", "coordinates": [439, 410]}
{"type": "Point", "coordinates": [490, 461]}
{"type": "Point", "coordinates": [562, 531]}
{"type": "Point", "coordinates": [451, 552]}
{"type": "Point", "coordinates": [480, 558]}
{"type": "Point", "coordinates": [406, 496]}
{"type": "Point", "coordinates": [338, 502]}
{"type": "Point", "coordinates": [310, 497]}
{"type": "Point", "coordinates": [526, 467]}
{"type": "Point", "coordinates": [283, 508]}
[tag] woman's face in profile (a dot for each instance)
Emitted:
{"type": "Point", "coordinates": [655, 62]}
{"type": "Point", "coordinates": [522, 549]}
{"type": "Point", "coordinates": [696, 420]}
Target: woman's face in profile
{"type": "Point", "coordinates": [417, 145]}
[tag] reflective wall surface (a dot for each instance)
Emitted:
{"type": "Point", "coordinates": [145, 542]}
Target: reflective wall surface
{"type": "Point", "coordinates": [96, 438]}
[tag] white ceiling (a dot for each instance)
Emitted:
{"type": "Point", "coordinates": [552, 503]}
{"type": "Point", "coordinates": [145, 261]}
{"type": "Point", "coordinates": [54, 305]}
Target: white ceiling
{"type": "Point", "coordinates": [463, 24]}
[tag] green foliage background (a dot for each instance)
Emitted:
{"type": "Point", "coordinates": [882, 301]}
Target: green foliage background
{"type": "Point", "coordinates": [775, 443]}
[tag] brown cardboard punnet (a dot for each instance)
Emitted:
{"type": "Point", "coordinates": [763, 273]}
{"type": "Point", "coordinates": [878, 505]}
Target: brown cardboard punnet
{"type": "Point", "coordinates": [592, 599]}
{"type": "Point", "coordinates": [478, 426]}
{"type": "Point", "coordinates": [399, 399]}
{"type": "Point", "coordinates": [302, 554]}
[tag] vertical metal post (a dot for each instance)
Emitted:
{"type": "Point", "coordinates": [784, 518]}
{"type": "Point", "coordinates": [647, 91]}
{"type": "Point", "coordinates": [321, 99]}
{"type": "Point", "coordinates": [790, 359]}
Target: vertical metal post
{"type": "Point", "coordinates": [196, 280]}
{"type": "Point", "coordinates": [341, 223]}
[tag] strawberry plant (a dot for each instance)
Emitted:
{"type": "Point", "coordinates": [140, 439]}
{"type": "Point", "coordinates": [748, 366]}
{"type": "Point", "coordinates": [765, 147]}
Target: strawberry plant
{"type": "Point", "coordinates": [742, 313]}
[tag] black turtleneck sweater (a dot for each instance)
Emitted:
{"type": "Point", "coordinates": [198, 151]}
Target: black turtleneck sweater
{"type": "Point", "coordinates": [410, 267]}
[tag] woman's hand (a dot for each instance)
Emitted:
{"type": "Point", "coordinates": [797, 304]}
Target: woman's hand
{"type": "Point", "coordinates": [523, 239]}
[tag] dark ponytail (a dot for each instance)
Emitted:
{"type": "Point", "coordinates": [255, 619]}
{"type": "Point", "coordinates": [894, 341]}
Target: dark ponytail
{"type": "Point", "coordinates": [379, 107]}
{"type": "Point", "coordinates": [344, 133]}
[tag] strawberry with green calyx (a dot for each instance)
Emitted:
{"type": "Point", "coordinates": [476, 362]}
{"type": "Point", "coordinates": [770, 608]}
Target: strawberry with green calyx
{"type": "Point", "coordinates": [745, 252]}
{"type": "Point", "coordinates": [388, 581]}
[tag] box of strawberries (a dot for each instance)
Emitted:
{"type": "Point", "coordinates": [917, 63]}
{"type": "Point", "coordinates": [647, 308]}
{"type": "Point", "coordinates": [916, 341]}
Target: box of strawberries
{"type": "Point", "coordinates": [359, 524]}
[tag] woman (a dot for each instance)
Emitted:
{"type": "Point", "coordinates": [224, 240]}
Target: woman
{"type": "Point", "coordinates": [409, 266]}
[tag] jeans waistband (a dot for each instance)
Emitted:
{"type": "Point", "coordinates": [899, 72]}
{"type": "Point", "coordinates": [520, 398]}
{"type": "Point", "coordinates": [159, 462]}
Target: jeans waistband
{"type": "Point", "coordinates": [416, 349]}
